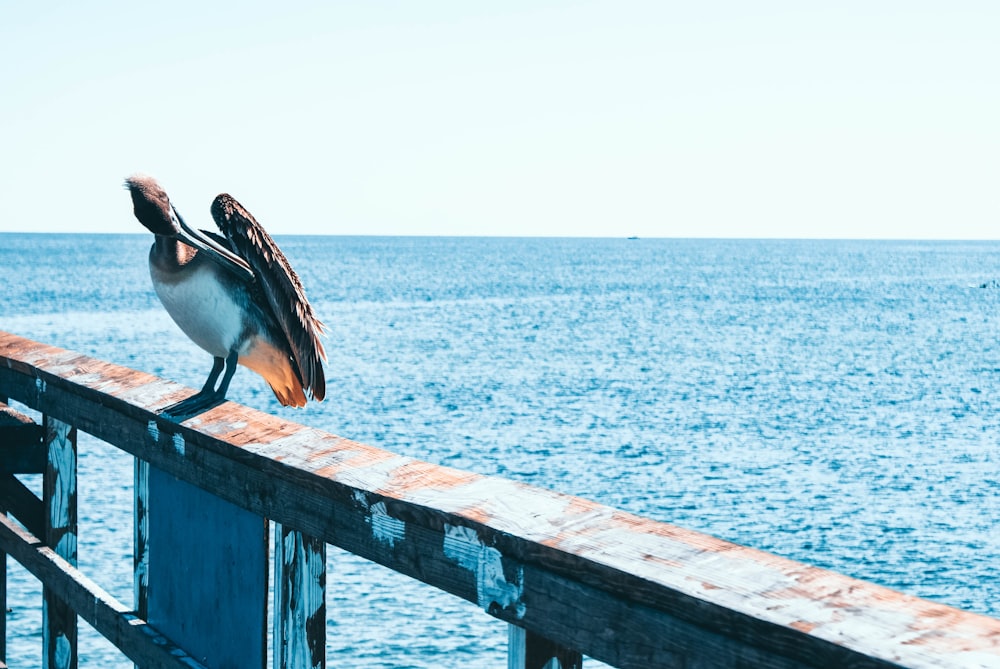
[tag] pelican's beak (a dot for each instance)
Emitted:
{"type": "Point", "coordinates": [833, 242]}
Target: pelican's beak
{"type": "Point", "coordinates": [213, 250]}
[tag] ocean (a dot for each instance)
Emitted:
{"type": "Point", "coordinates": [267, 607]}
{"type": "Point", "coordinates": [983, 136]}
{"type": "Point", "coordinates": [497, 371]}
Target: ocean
{"type": "Point", "coordinates": [834, 402]}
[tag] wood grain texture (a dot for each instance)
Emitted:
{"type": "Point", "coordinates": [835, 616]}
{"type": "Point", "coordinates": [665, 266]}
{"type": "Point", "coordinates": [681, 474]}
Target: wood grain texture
{"type": "Point", "coordinates": [207, 576]}
{"type": "Point", "coordinates": [16, 499]}
{"type": "Point", "coordinates": [140, 539]}
{"type": "Point", "coordinates": [299, 600]}
{"type": "Point", "coordinates": [528, 650]}
{"type": "Point", "coordinates": [3, 603]}
{"type": "Point", "coordinates": [59, 498]}
{"type": "Point", "coordinates": [21, 447]}
{"type": "Point", "coordinates": [139, 641]}
{"type": "Point", "coordinates": [21, 452]}
{"type": "Point", "coordinates": [5, 441]}
{"type": "Point", "coordinates": [624, 589]}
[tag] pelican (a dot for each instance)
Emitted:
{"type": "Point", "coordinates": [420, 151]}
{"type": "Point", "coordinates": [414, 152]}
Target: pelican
{"type": "Point", "coordinates": [236, 296]}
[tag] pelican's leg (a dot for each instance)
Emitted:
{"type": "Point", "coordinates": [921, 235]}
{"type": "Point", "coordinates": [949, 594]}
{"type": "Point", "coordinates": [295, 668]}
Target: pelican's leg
{"type": "Point", "coordinates": [208, 396]}
{"type": "Point", "coordinates": [230, 363]}
{"type": "Point", "coordinates": [213, 376]}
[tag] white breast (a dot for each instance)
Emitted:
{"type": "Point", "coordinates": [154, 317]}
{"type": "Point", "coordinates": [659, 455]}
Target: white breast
{"type": "Point", "coordinates": [203, 308]}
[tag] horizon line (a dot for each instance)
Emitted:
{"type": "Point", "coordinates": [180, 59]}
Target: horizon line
{"type": "Point", "coordinates": [553, 236]}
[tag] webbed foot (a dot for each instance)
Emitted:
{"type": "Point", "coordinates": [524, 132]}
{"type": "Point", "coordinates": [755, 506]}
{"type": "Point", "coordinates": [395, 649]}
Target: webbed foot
{"type": "Point", "coordinates": [194, 405]}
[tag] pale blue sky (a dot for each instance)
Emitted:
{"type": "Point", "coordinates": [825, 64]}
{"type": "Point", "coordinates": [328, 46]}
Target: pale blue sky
{"type": "Point", "coordinates": [693, 119]}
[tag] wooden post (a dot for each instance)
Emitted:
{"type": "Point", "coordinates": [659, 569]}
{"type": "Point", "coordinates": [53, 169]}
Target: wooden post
{"type": "Point", "coordinates": [299, 600]}
{"type": "Point", "coordinates": [140, 541]}
{"type": "Point", "coordinates": [528, 650]}
{"type": "Point", "coordinates": [3, 601]}
{"type": "Point", "coordinates": [59, 498]}
{"type": "Point", "coordinates": [140, 550]}
{"type": "Point", "coordinates": [207, 573]}
{"type": "Point", "coordinates": [3, 584]}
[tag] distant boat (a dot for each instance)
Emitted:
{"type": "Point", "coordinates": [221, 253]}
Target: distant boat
{"type": "Point", "coordinates": [633, 238]}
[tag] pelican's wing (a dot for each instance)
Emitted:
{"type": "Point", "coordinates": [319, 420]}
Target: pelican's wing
{"type": "Point", "coordinates": [280, 285]}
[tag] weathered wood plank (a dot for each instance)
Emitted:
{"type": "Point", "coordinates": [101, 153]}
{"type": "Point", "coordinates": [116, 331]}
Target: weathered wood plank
{"type": "Point", "coordinates": [140, 540]}
{"type": "Point", "coordinates": [3, 603]}
{"type": "Point", "coordinates": [139, 641]}
{"type": "Point", "coordinates": [299, 600]}
{"type": "Point", "coordinates": [3, 581]}
{"type": "Point", "coordinates": [624, 589]}
{"type": "Point", "coordinates": [140, 544]}
{"type": "Point", "coordinates": [21, 447]}
{"type": "Point", "coordinates": [207, 578]}
{"type": "Point", "coordinates": [527, 650]}
{"type": "Point", "coordinates": [59, 497]}
{"type": "Point", "coordinates": [16, 499]}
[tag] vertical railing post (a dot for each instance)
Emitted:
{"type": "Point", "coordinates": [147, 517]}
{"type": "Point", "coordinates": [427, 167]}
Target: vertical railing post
{"type": "Point", "coordinates": [528, 650]}
{"type": "Point", "coordinates": [3, 603]}
{"type": "Point", "coordinates": [3, 586]}
{"type": "Point", "coordinates": [140, 541]}
{"type": "Point", "coordinates": [299, 600]}
{"type": "Point", "coordinates": [59, 499]}
{"type": "Point", "coordinates": [140, 554]}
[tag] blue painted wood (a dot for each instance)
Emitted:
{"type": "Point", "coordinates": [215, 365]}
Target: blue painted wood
{"type": "Point", "coordinates": [3, 586]}
{"type": "Point", "coordinates": [140, 541]}
{"type": "Point", "coordinates": [527, 650]}
{"type": "Point", "coordinates": [59, 624]}
{"type": "Point", "coordinates": [299, 600]}
{"type": "Point", "coordinates": [207, 574]}
{"type": "Point", "coordinates": [3, 603]}
{"type": "Point", "coordinates": [140, 537]}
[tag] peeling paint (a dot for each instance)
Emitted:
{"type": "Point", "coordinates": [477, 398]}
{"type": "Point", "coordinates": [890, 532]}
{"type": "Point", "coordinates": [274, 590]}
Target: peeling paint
{"type": "Point", "coordinates": [299, 596]}
{"type": "Point", "coordinates": [179, 444]}
{"type": "Point", "coordinates": [385, 528]}
{"type": "Point", "coordinates": [62, 462]}
{"type": "Point", "coordinates": [462, 545]}
{"type": "Point", "coordinates": [66, 547]}
{"type": "Point", "coordinates": [140, 560]}
{"type": "Point", "coordinates": [40, 385]}
{"type": "Point", "coordinates": [64, 652]}
{"type": "Point", "coordinates": [153, 429]}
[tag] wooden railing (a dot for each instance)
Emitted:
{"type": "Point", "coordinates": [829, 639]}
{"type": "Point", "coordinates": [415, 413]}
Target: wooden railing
{"type": "Point", "coordinates": [569, 576]}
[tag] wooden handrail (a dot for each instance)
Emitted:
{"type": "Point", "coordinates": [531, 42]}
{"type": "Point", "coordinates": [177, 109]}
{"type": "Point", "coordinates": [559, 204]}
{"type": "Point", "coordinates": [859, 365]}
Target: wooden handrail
{"type": "Point", "coordinates": [624, 589]}
{"type": "Point", "coordinates": [134, 637]}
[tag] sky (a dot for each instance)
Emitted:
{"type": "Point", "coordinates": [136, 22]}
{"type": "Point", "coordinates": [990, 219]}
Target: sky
{"type": "Point", "coordinates": [798, 119]}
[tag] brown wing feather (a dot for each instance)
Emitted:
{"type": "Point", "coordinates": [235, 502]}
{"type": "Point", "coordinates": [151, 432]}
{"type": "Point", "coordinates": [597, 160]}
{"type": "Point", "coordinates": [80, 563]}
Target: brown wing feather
{"type": "Point", "coordinates": [281, 286]}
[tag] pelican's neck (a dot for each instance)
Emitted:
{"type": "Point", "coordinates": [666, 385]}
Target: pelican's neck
{"type": "Point", "coordinates": [170, 255]}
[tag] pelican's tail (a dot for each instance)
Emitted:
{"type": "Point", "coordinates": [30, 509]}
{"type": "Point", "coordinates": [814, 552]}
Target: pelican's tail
{"type": "Point", "coordinates": [277, 369]}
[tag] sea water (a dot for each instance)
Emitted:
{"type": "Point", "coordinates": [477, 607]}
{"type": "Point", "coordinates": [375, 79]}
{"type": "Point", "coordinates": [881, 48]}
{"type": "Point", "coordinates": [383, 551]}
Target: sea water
{"type": "Point", "coordinates": [835, 402]}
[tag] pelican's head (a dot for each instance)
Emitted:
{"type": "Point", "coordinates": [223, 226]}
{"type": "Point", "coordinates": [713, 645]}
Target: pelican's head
{"type": "Point", "coordinates": [153, 209]}
{"type": "Point", "coordinates": [152, 206]}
